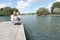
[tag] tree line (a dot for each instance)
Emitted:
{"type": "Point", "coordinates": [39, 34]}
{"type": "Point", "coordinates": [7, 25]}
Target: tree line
{"type": "Point", "coordinates": [7, 11]}
{"type": "Point", "coordinates": [55, 10]}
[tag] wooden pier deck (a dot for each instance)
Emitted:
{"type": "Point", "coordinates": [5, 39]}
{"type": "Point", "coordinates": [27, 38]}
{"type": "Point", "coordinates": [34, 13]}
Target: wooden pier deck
{"type": "Point", "coordinates": [8, 31]}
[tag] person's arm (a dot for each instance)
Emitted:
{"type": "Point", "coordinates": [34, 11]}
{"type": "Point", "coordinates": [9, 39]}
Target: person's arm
{"type": "Point", "coordinates": [19, 18]}
{"type": "Point", "coordinates": [11, 17]}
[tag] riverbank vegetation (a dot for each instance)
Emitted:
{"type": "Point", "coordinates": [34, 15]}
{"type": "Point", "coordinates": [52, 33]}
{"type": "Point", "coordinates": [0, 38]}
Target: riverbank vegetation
{"type": "Point", "coordinates": [7, 11]}
{"type": "Point", "coordinates": [42, 11]}
{"type": "Point", "coordinates": [55, 10]}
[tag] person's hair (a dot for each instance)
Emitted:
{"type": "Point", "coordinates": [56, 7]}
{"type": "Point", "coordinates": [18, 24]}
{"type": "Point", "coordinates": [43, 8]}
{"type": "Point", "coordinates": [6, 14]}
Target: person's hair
{"type": "Point", "coordinates": [15, 11]}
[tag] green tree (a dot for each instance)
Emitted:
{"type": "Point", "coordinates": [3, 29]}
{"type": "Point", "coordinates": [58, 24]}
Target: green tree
{"type": "Point", "coordinates": [7, 11]}
{"type": "Point", "coordinates": [42, 11]}
{"type": "Point", "coordinates": [56, 11]}
{"type": "Point", "coordinates": [55, 5]}
{"type": "Point", "coordinates": [1, 12]}
{"type": "Point", "coordinates": [15, 9]}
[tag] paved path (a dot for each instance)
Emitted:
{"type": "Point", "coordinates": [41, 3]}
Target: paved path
{"type": "Point", "coordinates": [8, 31]}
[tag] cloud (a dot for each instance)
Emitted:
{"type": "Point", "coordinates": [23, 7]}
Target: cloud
{"type": "Point", "coordinates": [22, 5]}
{"type": "Point", "coordinates": [33, 1]}
{"type": "Point", "coordinates": [5, 4]}
{"type": "Point", "coordinates": [57, 0]}
{"type": "Point", "coordinates": [9, 3]}
{"type": "Point", "coordinates": [50, 5]}
{"type": "Point", "coordinates": [2, 5]}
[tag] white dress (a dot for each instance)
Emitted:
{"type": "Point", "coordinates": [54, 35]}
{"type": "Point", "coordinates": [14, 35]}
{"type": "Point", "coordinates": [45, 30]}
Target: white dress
{"type": "Point", "coordinates": [15, 17]}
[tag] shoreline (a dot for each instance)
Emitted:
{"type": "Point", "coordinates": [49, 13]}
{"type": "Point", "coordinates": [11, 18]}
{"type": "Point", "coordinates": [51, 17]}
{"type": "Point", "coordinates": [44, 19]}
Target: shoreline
{"type": "Point", "coordinates": [52, 15]}
{"type": "Point", "coordinates": [36, 15]}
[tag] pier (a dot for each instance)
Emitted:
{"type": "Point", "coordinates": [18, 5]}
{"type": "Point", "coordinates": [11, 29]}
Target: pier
{"type": "Point", "coordinates": [9, 31]}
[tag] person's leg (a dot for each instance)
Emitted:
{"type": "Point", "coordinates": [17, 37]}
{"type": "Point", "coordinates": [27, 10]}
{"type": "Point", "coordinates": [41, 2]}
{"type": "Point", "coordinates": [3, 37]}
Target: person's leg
{"type": "Point", "coordinates": [17, 23]}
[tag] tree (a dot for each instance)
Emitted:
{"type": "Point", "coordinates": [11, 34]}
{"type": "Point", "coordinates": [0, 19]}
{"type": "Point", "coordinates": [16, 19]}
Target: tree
{"type": "Point", "coordinates": [42, 11]}
{"type": "Point", "coordinates": [56, 11]}
{"type": "Point", "coordinates": [15, 9]}
{"type": "Point", "coordinates": [7, 11]}
{"type": "Point", "coordinates": [55, 5]}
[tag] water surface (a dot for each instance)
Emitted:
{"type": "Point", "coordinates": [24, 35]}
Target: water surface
{"type": "Point", "coordinates": [39, 27]}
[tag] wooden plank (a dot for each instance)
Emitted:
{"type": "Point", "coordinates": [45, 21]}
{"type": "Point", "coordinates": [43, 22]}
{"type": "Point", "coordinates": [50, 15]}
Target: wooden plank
{"type": "Point", "coordinates": [9, 31]}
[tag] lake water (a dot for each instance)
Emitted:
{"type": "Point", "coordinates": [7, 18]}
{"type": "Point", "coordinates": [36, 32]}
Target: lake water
{"type": "Point", "coordinates": [39, 27]}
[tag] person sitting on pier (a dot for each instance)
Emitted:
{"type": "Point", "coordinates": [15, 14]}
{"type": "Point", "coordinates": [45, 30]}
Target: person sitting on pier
{"type": "Point", "coordinates": [15, 18]}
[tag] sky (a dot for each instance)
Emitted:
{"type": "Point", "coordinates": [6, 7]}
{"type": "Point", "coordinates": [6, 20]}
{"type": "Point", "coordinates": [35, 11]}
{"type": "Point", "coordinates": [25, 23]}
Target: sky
{"type": "Point", "coordinates": [27, 6]}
